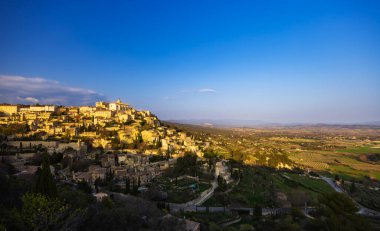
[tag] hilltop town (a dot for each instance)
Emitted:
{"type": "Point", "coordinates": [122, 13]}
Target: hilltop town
{"type": "Point", "coordinates": [109, 126]}
{"type": "Point", "coordinates": [121, 138]}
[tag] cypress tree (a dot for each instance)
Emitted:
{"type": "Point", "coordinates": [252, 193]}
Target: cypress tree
{"type": "Point", "coordinates": [45, 183]}
{"type": "Point", "coordinates": [97, 185]}
{"type": "Point", "coordinates": [127, 186]}
{"type": "Point", "coordinates": [134, 187]}
{"type": "Point", "coordinates": [139, 138]}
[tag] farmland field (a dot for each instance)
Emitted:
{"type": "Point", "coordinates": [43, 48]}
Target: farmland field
{"type": "Point", "coordinates": [347, 150]}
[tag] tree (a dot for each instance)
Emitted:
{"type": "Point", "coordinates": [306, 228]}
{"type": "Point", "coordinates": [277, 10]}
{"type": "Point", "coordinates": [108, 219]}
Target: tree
{"type": "Point", "coordinates": [127, 186]}
{"type": "Point", "coordinates": [139, 138]}
{"type": "Point", "coordinates": [40, 212]}
{"type": "Point", "coordinates": [221, 183]}
{"type": "Point", "coordinates": [45, 184]}
{"type": "Point", "coordinates": [56, 157]}
{"type": "Point", "coordinates": [186, 164]}
{"type": "Point", "coordinates": [235, 174]}
{"type": "Point", "coordinates": [116, 158]}
{"type": "Point", "coordinates": [338, 212]}
{"type": "Point", "coordinates": [352, 187]}
{"type": "Point", "coordinates": [158, 143]}
{"type": "Point", "coordinates": [97, 182]}
{"type": "Point", "coordinates": [109, 175]}
{"type": "Point", "coordinates": [76, 198]}
{"type": "Point", "coordinates": [84, 186]}
{"type": "Point", "coordinates": [134, 187]}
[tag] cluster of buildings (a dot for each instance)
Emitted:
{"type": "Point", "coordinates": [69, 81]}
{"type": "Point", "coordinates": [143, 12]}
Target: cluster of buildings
{"type": "Point", "coordinates": [113, 125]}
{"type": "Point", "coordinates": [135, 135]}
{"type": "Point", "coordinates": [135, 167]}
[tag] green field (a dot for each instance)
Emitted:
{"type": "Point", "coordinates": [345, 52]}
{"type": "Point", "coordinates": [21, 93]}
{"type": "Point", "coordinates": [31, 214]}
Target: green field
{"type": "Point", "coordinates": [348, 173]}
{"type": "Point", "coordinates": [290, 183]}
{"type": "Point", "coordinates": [316, 185]}
{"type": "Point", "coordinates": [362, 150]}
{"type": "Point", "coordinates": [344, 162]}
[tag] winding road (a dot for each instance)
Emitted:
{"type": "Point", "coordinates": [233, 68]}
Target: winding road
{"type": "Point", "coordinates": [362, 210]}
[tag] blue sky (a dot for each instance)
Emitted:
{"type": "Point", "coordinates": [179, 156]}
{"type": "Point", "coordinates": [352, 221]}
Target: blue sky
{"type": "Point", "coordinates": [277, 61]}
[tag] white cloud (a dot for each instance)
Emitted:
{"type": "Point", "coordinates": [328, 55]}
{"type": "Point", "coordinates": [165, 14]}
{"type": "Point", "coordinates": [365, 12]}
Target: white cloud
{"type": "Point", "coordinates": [207, 90]}
{"type": "Point", "coordinates": [29, 100]}
{"type": "Point", "coordinates": [19, 89]}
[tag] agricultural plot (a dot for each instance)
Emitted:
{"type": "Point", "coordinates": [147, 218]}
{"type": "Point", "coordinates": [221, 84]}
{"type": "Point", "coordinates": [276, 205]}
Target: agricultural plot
{"type": "Point", "coordinates": [316, 185]}
{"type": "Point", "coordinates": [362, 150]}
{"type": "Point", "coordinates": [308, 159]}
{"type": "Point", "coordinates": [343, 162]}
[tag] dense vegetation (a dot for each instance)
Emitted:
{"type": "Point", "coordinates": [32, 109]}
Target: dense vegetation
{"type": "Point", "coordinates": [38, 203]}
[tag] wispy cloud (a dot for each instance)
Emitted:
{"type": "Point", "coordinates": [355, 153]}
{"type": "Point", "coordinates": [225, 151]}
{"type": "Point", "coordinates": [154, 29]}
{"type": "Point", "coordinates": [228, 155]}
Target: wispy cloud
{"type": "Point", "coordinates": [20, 89]}
{"type": "Point", "coordinates": [190, 92]}
{"type": "Point", "coordinates": [207, 90]}
{"type": "Point", "coordinates": [201, 90]}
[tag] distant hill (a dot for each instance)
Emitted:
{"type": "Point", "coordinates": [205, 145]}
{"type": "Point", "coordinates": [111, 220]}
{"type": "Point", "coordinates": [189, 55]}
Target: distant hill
{"type": "Point", "coordinates": [260, 123]}
{"type": "Point", "coordinates": [224, 123]}
{"type": "Point", "coordinates": [377, 123]}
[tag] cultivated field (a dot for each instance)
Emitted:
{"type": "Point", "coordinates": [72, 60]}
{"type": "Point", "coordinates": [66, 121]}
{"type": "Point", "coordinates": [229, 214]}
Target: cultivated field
{"type": "Point", "coordinates": [349, 151]}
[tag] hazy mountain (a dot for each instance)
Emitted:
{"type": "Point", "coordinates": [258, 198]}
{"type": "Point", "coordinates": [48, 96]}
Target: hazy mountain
{"type": "Point", "coordinates": [224, 123]}
{"type": "Point", "coordinates": [260, 123]}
